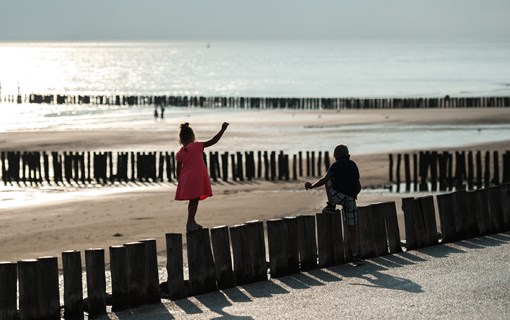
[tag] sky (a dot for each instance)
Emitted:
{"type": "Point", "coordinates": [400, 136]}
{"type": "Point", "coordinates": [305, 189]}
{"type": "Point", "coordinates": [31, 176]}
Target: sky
{"type": "Point", "coordinates": [153, 20]}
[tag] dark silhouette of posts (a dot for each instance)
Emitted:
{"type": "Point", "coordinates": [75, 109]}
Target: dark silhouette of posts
{"type": "Point", "coordinates": [118, 263]}
{"type": "Point", "coordinates": [222, 257]}
{"type": "Point", "coordinates": [277, 246]}
{"type": "Point", "coordinates": [487, 172]}
{"type": "Point", "coordinates": [407, 172]}
{"type": "Point", "coordinates": [29, 290]}
{"type": "Point", "coordinates": [73, 286]}
{"type": "Point", "coordinates": [292, 252]}
{"type": "Point", "coordinates": [495, 158]}
{"type": "Point", "coordinates": [397, 173]}
{"type": "Point", "coordinates": [202, 272]}
{"type": "Point", "coordinates": [324, 239]}
{"type": "Point", "coordinates": [151, 271]}
{"type": "Point", "coordinates": [135, 262]}
{"type": "Point", "coordinates": [479, 173]}
{"type": "Point", "coordinates": [307, 244]}
{"type": "Point", "coordinates": [8, 290]}
{"type": "Point", "coordinates": [174, 266]}
{"type": "Point", "coordinates": [49, 288]}
{"type": "Point", "coordinates": [391, 167]}
{"type": "Point", "coordinates": [96, 282]}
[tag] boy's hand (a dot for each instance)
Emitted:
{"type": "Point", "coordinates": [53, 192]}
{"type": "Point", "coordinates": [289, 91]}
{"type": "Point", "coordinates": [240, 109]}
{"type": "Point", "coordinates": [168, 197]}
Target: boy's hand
{"type": "Point", "coordinates": [224, 126]}
{"type": "Point", "coordinates": [308, 185]}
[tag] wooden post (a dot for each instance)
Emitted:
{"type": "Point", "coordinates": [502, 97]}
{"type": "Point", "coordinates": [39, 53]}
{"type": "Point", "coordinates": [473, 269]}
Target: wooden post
{"type": "Point", "coordinates": [96, 282]}
{"type": "Point", "coordinates": [504, 190]}
{"type": "Point", "coordinates": [397, 173]}
{"type": "Point", "coordinates": [222, 257]}
{"type": "Point", "coordinates": [366, 232]}
{"type": "Point", "coordinates": [234, 169]}
{"type": "Point", "coordinates": [495, 158]}
{"type": "Point", "coordinates": [470, 176]}
{"type": "Point", "coordinates": [277, 243]}
{"type": "Point", "coordinates": [73, 285]}
{"type": "Point", "coordinates": [416, 177]}
{"type": "Point", "coordinates": [8, 290]}
{"type": "Point", "coordinates": [151, 271]}
{"type": "Point", "coordinates": [273, 166]}
{"type": "Point", "coordinates": [308, 163]}
{"type": "Point", "coordinates": [407, 172]}
{"type": "Point", "coordinates": [379, 230]}
{"type": "Point", "coordinates": [312, 163]}
{"type": "Point", "coordinates": [392, 230]}
{"type": "Point", "coordinates": [415, 229]}
{"type": "Point", "coordinates": [496, 209]}
{"type": "Point", "coordinates": [428, 213]}
{"type": "Point", "coordinates": [324, 239]}
{"type": "Point", "coordinates": [307, 242]}
{"type": "Point", "coordinates": [337, 240]}
{"type": "Point", "coordinates": [118, 263]}
{"type": "Point", "coordinates": [433, 170]}
{"type": "Point", "coordinates": [391, 167]}
{"type": "Point", "coordinates": [135, 272]}
{"type": "Point", "coordinates": [202, 272]}
{"type": "Point", "coordinates": [224, 166]}
{"type": "Point", "coordinates": [291, 230]}
{"type": "Point", "coordinates": [300, 159]}
{"type": "Point", "coordinates": [254, 243]}
{"type": "Point", "coordinates": [49, 288]}
{"type": "Point", "coordinates": [445, 204]}
{"type": "Point", "coordinates": [487, 172]}
{"type": "Point", "coordinates": [240, 255]}
{"type": "Point", "coordinates": [29, 290]}
{"type": "Point", "coordinates": [174, 266]}
{"type": "Point", "coordinates": [479, 170]}
{"type": "Point", "coordinates": [294, 167]}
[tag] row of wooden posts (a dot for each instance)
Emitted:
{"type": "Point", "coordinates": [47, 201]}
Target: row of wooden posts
{"type": "Point", "coordinates": [110, 167]}
{"type": "Point", "coordinates": [444, 170]}
{"type": "Point", "coordinates": [262, 102]}
{"type": "Point", "coordinates": [223, 257]}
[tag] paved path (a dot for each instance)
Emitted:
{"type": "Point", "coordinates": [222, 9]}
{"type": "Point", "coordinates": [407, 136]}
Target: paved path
{"type": "Point", "coordinates": [465, 280]}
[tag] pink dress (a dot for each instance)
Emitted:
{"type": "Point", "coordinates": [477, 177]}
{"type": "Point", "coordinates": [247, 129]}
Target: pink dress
{"type": "Point", "coordinates": [194, 180]}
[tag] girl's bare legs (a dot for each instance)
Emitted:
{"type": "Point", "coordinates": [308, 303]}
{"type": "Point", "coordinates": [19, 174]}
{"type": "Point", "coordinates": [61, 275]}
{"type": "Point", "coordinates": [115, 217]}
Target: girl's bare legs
{"type": "Point", "coordinates": [192, 211]}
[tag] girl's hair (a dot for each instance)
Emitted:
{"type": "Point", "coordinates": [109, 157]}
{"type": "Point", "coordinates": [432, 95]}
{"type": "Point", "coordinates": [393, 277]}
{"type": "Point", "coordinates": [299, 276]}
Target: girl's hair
{"type": "Point", "coordinates": [186, 134]}
{"type": "Point", "coordinates": [341, 151]}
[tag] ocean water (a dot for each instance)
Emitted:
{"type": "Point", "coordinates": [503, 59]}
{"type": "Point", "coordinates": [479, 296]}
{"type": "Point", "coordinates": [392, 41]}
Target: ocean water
{"type": "Point", "coordinates": [349, 68]}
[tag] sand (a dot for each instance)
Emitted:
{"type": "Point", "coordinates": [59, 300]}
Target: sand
{"type": "Point", "coordinates": [47, 221]}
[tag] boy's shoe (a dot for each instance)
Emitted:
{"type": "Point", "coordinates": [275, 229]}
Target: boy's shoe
{"type": "Point", "coordinates": [329, 208]}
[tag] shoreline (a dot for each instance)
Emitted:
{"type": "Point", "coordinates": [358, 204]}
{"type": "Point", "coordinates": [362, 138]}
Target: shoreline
{"type": "Point", "coordinates": [134, 212]}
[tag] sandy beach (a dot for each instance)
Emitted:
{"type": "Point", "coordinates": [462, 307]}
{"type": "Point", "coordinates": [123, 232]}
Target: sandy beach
{"type": "Point", "coordinates": [46, 221]}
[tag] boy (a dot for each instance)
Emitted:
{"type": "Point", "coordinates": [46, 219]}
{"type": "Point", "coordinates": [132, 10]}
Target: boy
{"type": "Point", "coordinates": [342, 187]}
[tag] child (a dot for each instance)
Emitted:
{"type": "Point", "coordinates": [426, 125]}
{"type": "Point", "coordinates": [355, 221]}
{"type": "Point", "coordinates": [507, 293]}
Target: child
{"type": "Point", "coordinates": [342, 187]}
{"type": "Point", "coordinates": [193, 180]}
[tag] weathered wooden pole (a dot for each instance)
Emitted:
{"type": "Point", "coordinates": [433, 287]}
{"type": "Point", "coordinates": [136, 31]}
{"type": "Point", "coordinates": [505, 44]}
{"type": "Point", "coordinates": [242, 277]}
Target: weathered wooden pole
{"type": "Point", "coordinates": [307, 243]}
{"type": "Point", "coordinates": [30, 298]}
{"type": "Point", "coordinates": [277, 243]}
{"type": "Point", "coordinates": [291, 230]}
{"type": "Point", "coordinates": [202, 272]}
{"type": "Point", "coordinates": [379, 229]}
{"type": "Point", "coordinates": [366, 232]}
{"type": "Point", "coordinates": [392, 228]}
{"type": "Point", "coordinates": [397, 173]}
{"type": "Point", "coordinates": [337, 240]}
{"type": "Point", "coordinates": [96, 282]}
{"type": "Point", "coordinates": [446, 207]}
{"type": "Point", "coordinates": [391, 167]}
{"type": "Point", "coordinates": [428, 213]}
{"type": "Point", "coordinates": [407, 172]}
{"type": "Point", "coordinates": [8, 290]}
{"type": "Point", "coordinates": [222, 257]}
{"type": "Point", "coordinates": [151, 271]}
{"type": "Point", "coordinates": [174, 266]}
{"type": "Point", "coordinates": [324, 239]}
{"type": "Point", "coordinates": [73, 285]}
{"type": "Point", "coordinates": [118, 270]}
{"type": "Point", "coordinates": [135, 272]}
{"type": "Point", "coordinates": [49, 288]}
{"type": "Point", "coordinates": [487, 172]}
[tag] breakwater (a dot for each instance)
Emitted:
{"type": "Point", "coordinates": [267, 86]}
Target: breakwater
{"type": "Point", "coordinates": [85, 167]}
{"type": "Point", "coordinates": [311, 103]}
{"type": "Point", "coordinates": [445, 170]}
{"type": "Point", "coordinates": [227, 256]}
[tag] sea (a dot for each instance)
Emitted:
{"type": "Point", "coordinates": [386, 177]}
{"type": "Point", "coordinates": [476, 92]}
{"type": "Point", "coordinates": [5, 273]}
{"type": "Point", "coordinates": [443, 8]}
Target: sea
{"type": "Point", "coordinates": [340, 68]}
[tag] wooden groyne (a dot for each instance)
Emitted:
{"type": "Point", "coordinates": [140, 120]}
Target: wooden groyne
{"type": "Point", "coordinates": [262, 102]}
{"type": "Point", "coordinates": [444, 170]}
{"type": "Point", "coordinates": [87, 167]}
{"type": "Point", "coordinates": [225, 256]}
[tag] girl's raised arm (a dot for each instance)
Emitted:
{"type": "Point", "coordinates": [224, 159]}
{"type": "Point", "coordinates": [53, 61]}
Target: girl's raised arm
{"type": "Point", "coordinates": [217, 137]}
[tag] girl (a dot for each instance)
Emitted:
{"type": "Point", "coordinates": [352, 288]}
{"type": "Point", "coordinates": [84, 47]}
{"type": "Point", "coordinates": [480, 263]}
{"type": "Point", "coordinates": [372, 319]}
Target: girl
{"type": "Point", "coordinates": [193, 180]}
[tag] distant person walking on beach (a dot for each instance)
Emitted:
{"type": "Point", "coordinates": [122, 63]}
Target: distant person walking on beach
{"type": "Point", "coordinates": [342, 187]}
{"type": "Point", "coordinates": [193, 180]}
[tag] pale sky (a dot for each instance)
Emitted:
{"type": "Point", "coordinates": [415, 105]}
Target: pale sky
{"type": "Point", "coordinates": [104, 20]}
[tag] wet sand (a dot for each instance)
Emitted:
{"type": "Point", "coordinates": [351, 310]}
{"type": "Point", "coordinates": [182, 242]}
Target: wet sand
{"type": "Point", "coordinates": [118, 214]}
